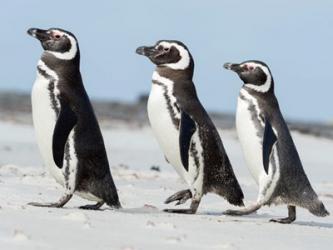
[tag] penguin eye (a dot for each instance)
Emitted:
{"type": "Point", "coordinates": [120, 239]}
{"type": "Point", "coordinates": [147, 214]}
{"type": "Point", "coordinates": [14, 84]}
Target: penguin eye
{"type": "Point", "coordinates": [56, 35]}
{"type": "Point", "coordinates": [248, 67]}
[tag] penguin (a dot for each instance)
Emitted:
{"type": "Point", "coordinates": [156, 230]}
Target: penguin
{"type": "Point", "coordinates": [184, 130]}
{"type": "Point", "coordinates": [268, 147]}
{"type": "Point", "coordinates": [68, 133]}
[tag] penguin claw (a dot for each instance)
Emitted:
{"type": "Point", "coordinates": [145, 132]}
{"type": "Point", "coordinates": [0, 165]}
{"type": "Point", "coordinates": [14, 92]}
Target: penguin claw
{"type": "Point", "coordinates": [179, 202]}
{"type": "Point", "coordinates": [63, 200]}
{"type": "Point", "coordinates": [291, 216]}
{"type": "Point", "coordinates": [244, 211]}
{"type": "Point", "coordinates": [182, 201]}
{"type": "Point", "coordinates": [286, 220]}
{"type": "Point", "coordinates": [192, 210]}
{"type": "Point", "coordinates": [180, 211]}
{"type": "Point", "coordinates": [181, 197]}
{"type": "Point", "coordinates": [37, 204]}
{"type": "Point", "coordinates": [93, 207]}
{"type": "Point", "coordinates": [233, 212]}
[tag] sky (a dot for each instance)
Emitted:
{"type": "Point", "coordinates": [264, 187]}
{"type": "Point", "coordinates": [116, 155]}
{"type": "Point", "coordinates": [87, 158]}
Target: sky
{"type": "Point", "coordinates": [294, 38]}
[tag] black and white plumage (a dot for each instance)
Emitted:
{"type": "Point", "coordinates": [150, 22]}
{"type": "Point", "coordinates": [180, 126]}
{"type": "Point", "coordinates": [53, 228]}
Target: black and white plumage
{"type": "Point", "coordinates": [268, 147]}
{"type": "Point", "coordinates": [184, 131]}
{"type": "Point", "coordinates": [68, 134]}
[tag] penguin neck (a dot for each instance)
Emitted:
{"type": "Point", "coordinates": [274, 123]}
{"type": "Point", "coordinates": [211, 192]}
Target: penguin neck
{"type": "Point", "coordinates": [266, 88]}
{"type": "Point", "coordinates": [60, 66]}
{"type": "Point", "coordinates": [175, 75]}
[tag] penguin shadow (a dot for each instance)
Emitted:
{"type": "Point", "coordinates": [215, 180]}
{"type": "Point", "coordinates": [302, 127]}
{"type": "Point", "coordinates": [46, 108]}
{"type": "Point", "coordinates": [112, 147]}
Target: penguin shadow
{"type": "Point", "coordinates": [313, 224]}
{"type": "Point", "coordinates": [138, 210]}
{"type": "Point", "coordinates": [245, 218]}
{"type": "Point", "coordinates": [249, 216]}
{"type": "Point", "coordinates": [267, 217]}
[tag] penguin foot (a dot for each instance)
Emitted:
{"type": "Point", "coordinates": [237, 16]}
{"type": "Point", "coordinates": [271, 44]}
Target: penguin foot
{"type": "Point", "coordinates": [245, 211]}
{"type": "Point", "coordinates": [93, 207]}
{"type": "Point", "coordinates": [291, 216]}
{"type": "Point", "coordinates": [192, 210]}
{"type": "Point", "coordinates": [58, 204]}
{"type": "Point", "coordinates": [180, 211]}
{"type": "Point", "coordinates": [181, 197]}
{"type": "Point", "coordinates": [286, 220]}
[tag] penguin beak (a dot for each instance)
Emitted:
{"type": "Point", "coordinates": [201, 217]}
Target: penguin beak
{"type": "Point", "coordinates": [40, 34]}
{"type": "Point", "coordinates": [146, 51]}
{"type": "Point", "coordinates": [233, 66]}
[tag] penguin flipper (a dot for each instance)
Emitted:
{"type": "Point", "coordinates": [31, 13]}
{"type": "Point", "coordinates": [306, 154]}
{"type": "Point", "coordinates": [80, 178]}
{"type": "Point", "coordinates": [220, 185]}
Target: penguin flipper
{"type": "Point", "coordinates": [186, 130]}
{"type": "Point", "coordinates": [267, 145]}
{"type": "Point", "coordinates": [65, 123]}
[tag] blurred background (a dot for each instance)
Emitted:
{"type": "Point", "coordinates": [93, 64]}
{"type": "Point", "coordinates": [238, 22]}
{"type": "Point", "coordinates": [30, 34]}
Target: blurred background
{"type": "Point", "coordinates": [293, 37]}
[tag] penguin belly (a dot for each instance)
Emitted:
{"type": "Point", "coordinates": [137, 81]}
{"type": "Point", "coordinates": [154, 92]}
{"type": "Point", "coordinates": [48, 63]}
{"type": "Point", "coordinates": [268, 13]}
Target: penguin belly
{"type": "Point", "coordinates": [166, 133]}
{"type": "Point", "coordinates": [44, 120]}
{"type": "Point", "coordinates": [251, 142]}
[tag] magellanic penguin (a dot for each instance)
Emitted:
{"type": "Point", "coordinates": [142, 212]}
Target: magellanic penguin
{"type": "Point", "coordinates": [184, 131]}
{"type": "Point", "coordinates": [268, 147]}
{"type": "Point", "coordinates": [68, 134]}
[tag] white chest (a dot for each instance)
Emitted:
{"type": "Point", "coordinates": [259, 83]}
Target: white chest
{"type": "Point", "coordinates": [249, 127]}
{"type": "Point", "coordinates": [163, 125]}
{"type": "Point", "coordinates": [164, 116]}
{"type": "Point", "coordinates": [44, 119]}
{"type": "Point", "coordinates": [162, 113]}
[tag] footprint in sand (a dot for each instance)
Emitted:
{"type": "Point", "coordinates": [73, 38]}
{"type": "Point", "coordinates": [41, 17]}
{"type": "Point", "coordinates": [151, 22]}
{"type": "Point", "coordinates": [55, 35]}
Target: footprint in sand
{"type": "Point", "coordinates": [229, 246]}
{"type": "Point", "coordinates": [79, 217]}
{"type": "Point", "coordinates": [127, 248]}
{"type": "Point", "coordinates": [19, 235]}
{"type": "Point", "coordinates": [176, 239]}
{"type": "Point", "coordinates": [160, 225]}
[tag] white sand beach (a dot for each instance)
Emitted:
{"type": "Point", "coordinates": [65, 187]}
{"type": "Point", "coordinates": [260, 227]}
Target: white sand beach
{"type": "Point", "coordinates": [142, 224]}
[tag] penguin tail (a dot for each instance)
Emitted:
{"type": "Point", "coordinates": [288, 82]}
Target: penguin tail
{"type": "Point", "coordinates": [318, 209]}
{"type": "Point", "coordinates": [310, 200]}
{"type": "Point", "coordinates": [236, 200]}
{"type": "Point", "coordinates": [234, 195]}
{"type": "Point", "coordinates": [111, 196]}
{"type": "Point", "coordinates": [107, 190]}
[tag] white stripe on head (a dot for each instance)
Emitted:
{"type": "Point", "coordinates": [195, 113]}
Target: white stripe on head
{"type": "Point", "coordinates": [185, 59]}
{"type": "Point", "coordinates": [68, 55]}
{"type": "Point", "coordinates": [264, 87]}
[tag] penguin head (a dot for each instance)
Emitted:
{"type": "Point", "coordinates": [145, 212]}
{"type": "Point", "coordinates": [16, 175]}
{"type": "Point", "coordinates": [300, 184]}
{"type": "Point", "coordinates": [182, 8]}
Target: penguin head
{"type": "Point", "coordinates": [255, 74]}
{"type": "Point", "coordinates": [58, 42]}
{"type": "Point", "coordinates": [168, 53]}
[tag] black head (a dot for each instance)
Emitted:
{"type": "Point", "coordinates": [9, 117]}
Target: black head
{"type": "Point", "coordinates": [255, 74]}
{"type": "Point", "coordinates": [58, 42]}
{"type": "Point", "coordinates": [168, 53]}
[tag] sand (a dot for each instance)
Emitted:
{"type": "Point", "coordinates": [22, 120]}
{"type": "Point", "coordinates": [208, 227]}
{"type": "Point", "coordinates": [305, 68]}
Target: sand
{"type": "Point", "coordinates": [141, 224]}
